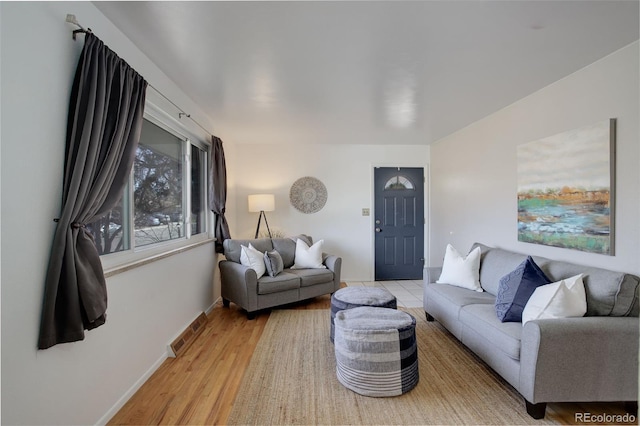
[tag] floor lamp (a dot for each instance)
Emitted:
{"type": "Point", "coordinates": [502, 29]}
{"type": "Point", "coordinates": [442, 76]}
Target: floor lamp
{"type": "Point", "coordinates": [262, 203]}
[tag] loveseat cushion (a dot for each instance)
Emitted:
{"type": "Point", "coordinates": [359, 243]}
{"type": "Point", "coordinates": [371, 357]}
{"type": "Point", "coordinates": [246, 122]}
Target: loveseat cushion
{"type": "Point", "coordinates": [273, 262]}
{"type": "Point", "coordinates": [309, 277]}
{"type": "Point", "coordinates": [232, 248]}
{"type": "Point", "coordinates": [253, 258]}
{"type": "Point", "coordinates": [287, 248]}
{"type": "Point", "coordinates": [505, 336]}
{"type": "Point", "coordinates": [281, 282]}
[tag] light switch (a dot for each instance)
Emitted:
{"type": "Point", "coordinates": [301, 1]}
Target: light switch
{"type": "Point", "coordinates": [365, 212]}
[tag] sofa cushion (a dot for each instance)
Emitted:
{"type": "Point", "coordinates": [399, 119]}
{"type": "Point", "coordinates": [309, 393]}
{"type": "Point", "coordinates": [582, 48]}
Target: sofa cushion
{"type": "Point", "coordinates": [563, 299]}
{"type": "Point", "coordinates": [609, 293]}
{"type": "Point", "coordinates": [232, 248]}
{"type": "Point", "coordinates": [516, 288]}
{"type": "Point", "coordinates": [459, 270]}
{"type": "Point", "coordinates": [505, 336]}
{"type": "Point", "coordinates": [309, 277]}
{"type": "Point", "coordinates": [283, 281]}
{"type": "Point", "coordinates": [456, 297]}
{"type": "Point", "coordinates": [495, 264]}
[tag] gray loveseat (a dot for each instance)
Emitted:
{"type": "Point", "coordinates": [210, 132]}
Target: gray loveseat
{"type": "Point", "coordinates": [241, 286]}
{"type": "Point", "coordinates": [591, 358]}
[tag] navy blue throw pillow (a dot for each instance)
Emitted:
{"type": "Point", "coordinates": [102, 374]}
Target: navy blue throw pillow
{"type": "Point", "coordinates": [516, 288]}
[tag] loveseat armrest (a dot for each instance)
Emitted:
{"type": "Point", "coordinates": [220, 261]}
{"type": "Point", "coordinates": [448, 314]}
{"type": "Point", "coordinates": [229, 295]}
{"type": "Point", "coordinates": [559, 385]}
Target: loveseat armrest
{"type": "Point", "coordinates": [579, 359]}
{"type": "Point", "coordinates": [239, 284]}
{"type": "Point", "coordinates": [431, 274]}
{"type": "Point", "coordinates": [334, 264]}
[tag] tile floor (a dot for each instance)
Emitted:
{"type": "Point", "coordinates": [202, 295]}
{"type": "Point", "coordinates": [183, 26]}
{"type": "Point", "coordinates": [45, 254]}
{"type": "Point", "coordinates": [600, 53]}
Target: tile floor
{"type": "Point", "coordinates": [408, 293]}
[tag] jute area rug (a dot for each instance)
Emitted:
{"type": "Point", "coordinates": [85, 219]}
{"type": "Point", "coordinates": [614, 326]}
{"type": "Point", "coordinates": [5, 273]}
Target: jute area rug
{"type": "Point", "coordinates": [291, 379]}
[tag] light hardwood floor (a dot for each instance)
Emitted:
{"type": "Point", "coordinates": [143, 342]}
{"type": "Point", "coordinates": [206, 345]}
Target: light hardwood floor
{"type": "Point", "coordinates": [199, 387]}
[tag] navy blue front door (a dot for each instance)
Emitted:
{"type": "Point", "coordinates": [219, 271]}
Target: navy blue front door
{"type": "Point", "coordinates": [399, 223]}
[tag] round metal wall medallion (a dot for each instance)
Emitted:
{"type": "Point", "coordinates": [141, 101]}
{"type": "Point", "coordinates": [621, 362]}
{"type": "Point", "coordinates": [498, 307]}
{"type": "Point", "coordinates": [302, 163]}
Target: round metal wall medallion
{"type": "Point", "coordinates": [308, 195]}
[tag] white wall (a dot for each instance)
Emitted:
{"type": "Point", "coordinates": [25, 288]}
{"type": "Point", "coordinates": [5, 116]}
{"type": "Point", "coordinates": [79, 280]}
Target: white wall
{"type": "Point", "coordinates": [346, 171]}
{"type": "Point", "coordinates": [76, 383]}
{"type": "Point", "coordinates": [473, 175]}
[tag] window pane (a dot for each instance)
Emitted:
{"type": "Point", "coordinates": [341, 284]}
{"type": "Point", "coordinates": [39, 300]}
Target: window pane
{"type": "Point", "coordinates": [198, 183]}
{"type": "Point", "coordinates": [159, 201]}
{"type": "Point", "coordinates": [157, 187]}
{"type": "Point", "coordinates": [398, 182]}
{"type": "Point", "coordinates": [110, 232]}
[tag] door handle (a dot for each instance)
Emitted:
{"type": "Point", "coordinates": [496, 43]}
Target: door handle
{"type": "Point", "coordinates": [378, 230]}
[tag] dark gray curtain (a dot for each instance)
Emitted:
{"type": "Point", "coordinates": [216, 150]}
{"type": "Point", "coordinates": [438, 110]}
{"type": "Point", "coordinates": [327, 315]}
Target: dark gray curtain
{"type": "Point", "coordinates": [103, 128]}
{"type": "Point", "coordinates": [218, 191]}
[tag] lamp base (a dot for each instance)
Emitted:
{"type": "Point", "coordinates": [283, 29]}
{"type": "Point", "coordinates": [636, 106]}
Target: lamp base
{"type": "Point", "coordinates": [265, 221]}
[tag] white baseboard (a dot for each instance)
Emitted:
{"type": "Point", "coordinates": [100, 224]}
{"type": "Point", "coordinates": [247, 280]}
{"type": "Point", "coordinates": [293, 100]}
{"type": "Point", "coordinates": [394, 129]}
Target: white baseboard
{"type": "Point", "coordinates": [210, 308]}
{"type": "Point", "coordinates": [132, 390]}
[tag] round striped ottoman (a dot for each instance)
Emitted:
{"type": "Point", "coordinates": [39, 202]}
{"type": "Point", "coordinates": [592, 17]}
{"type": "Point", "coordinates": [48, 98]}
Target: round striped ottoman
{"type": "Point", "coordinates": [376, 351]}
{"type": "Point", "coordinates": [354, 297]}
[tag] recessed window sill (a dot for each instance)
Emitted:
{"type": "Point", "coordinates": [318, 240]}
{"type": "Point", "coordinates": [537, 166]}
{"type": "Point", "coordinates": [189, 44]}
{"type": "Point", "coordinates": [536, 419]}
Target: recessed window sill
{"type": "Point", "coordinates": [118, 269]}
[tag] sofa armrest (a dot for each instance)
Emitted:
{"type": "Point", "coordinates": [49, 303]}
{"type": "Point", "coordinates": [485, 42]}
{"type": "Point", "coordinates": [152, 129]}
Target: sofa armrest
{"type": "Point", "coordinates": [431, 274]}
{"type": "Point", "coordinates": [239, 284]}
{"type": "Point", "coordinates": [334, 264]}
{"type": "Point", "coordinates": [580, 359]}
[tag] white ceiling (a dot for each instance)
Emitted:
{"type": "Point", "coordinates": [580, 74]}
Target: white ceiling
{"type": "Point", "coordinates": [362, 72]}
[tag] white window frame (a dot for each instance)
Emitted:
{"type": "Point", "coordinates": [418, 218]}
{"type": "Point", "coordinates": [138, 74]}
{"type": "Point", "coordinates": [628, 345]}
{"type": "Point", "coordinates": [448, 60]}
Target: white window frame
{"type": "Point", "coordinates": [113, 263]}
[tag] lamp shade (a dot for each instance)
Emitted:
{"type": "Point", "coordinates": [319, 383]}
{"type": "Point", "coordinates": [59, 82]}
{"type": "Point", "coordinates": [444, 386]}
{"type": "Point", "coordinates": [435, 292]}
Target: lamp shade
{"type": "Point", "coordinates": [262, 202]}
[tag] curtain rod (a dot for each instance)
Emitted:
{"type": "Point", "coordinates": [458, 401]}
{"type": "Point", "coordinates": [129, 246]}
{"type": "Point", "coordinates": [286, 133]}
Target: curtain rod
{"type": "Point", "coordinates": [182, 113]}
{"type": "Point", "coordinates": [71, 18]}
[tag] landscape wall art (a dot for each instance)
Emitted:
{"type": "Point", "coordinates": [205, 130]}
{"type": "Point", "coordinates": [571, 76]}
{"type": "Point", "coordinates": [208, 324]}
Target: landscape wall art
{"type": "Point", "coordinates": [566, 188]}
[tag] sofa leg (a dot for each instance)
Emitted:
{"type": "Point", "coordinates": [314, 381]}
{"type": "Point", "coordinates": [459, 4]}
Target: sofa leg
{"type": "Point", "coordinates": [429, 317]}
{"type": "Point", "coordinates": [536, 410]}
{"type": "Point", "coordinates": [251, 315]}
{"type": "Point", "coordinates": [631, 407]}
{"type": "Point", "coordinates": [225, 302]}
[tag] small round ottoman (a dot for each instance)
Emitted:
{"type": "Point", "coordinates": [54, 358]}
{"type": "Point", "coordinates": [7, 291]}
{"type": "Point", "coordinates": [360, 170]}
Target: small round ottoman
{"type": "Point", "coordinates": [354, 297]}
{"type": "Point", "coordinates": [376, 351]}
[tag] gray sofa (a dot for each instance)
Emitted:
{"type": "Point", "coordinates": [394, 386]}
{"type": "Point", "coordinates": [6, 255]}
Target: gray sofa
{"type": "Point", "coordinates": [591, 358]}
{"type": "Point", "coordinates": [241, 286]}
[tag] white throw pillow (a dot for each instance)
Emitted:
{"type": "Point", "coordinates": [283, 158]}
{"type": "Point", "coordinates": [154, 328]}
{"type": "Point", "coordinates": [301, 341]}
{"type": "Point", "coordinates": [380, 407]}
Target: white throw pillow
{"type": "Point", "coordinates": [252, 258]}
{"type": "Point", "coordinates": [308, 257]}
{"type": "Point", "coordinates": [562, 299]}
{"type": "Point", "coordinates": [460, 271]}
